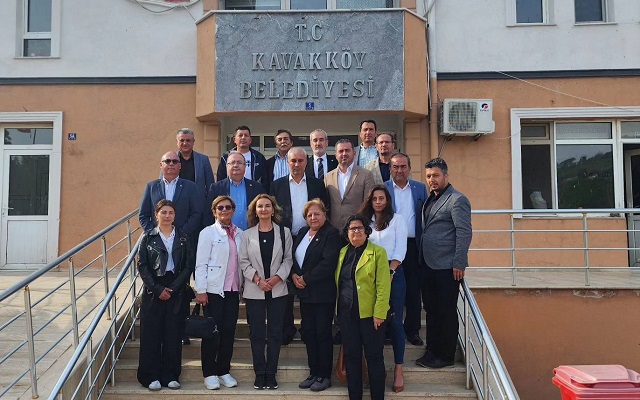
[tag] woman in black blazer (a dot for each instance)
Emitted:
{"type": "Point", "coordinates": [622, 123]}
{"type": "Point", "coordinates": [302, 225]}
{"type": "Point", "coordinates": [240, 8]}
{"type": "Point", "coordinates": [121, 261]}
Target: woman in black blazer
{"type": "Point", "coordinates": [316, 251]}
{"type": "Point", "coordinates": [165, 261]}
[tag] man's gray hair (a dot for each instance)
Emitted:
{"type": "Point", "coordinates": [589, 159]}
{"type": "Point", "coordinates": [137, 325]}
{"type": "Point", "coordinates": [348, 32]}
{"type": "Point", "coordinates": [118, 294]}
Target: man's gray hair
{"type": "Point", "coordinates": [321, 131]}
{"type": "Point", "coordinates": [295, 150]}
{"type": "Point", "coordinates": [186, 131]}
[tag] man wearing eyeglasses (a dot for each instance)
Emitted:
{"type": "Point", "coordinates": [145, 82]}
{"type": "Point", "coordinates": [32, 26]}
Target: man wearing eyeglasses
{"type": "Point", "coordinates": [180, 191]}
{"type": "Point", "coordinates": [379, 166]}
{"type": "Point", "coordinates": [239, 188]}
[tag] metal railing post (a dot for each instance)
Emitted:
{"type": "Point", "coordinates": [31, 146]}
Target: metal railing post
{"type": "Point", "coordinates": [585, 238]}
{"type": "Point", "coordinates": [74, 303]}
{"type": "Point", "coordinates": [30, 343]}
{"type": "Point", "coordinates": [105, 272]}
{"type": "Point", "coordinates": [114, 338]}
{"type": "Point", "coordinates": [129, 243]}
{"type": "Point", "coordinates": [485, 369]}
{"type": "Point", "coordinates": [513, 250]}
{"type": "Point", "coordinates": [89, 367]}
{"type": "Point", "coordinates": [467, 346]}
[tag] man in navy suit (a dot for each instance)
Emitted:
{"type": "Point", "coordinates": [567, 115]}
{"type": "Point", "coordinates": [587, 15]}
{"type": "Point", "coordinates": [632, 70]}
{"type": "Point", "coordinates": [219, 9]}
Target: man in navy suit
{"type": "Point", "coordinates": [182, 192]}
{"type": "Point", "coordinates": [319, 141]}
{"type": "Point", "coordinates": [194, 166]}
{"type": "Point", "coordinates": [408, 197]}
{"type": "Point", "coordinates": [444, 247]}
{"type": "Point", "coordinates": [292, 192]}
{"type": "Point", "coordinates": [256, 163]}
{"type": "Point", "coordinates": [241, 190]}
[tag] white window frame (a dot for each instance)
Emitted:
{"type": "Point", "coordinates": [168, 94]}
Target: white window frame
{"type": "Point", "coordinates": [331, 4]}
{"type": "Point", "coordinates": [547, 14]}
{"type": "Point", "coordinates": [607, 14]}
{"type": "Point", "coordinates": [562, 114]}
{"type": "Point", "coordinates": [23, 34]}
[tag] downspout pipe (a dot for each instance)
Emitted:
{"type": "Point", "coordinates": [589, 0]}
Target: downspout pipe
{"type": "Point", "coordinates": [434, 112]}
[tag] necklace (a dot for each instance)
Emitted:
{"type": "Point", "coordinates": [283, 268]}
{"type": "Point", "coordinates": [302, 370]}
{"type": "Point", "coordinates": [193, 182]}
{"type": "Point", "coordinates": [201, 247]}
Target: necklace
{"type": "Point", "coordinates": [310, 236]}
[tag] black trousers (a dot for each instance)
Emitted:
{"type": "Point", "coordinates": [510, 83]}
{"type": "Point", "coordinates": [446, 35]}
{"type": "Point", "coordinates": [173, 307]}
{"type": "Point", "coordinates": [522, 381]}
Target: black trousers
{"type": "Point", "coordinates": [265, 329]}
{"type": "Point", "coordinates": [289, 328]}
{"type": "Point", "coordinates": [161, 325]}
{"type": "Point", "coordinates": [440, 297]}
{"type": "Point", "coordinates": [224, 310]}
{"type": "Point", "coordinates": [414, 276]}
{"type": "Point", "coordinates": [356, 334]}
{"type": "Point", "coordinates": [317, 320]}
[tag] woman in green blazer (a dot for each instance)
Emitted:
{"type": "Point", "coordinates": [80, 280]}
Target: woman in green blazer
{"type": "Point", "coordinates": [364, 285]}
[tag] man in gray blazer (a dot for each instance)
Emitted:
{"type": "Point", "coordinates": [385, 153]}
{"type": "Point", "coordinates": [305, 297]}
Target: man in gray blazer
{"type": "Point", "coordinates": [195, 167]}
{"type": "Point", "coordinates": [444, 247]}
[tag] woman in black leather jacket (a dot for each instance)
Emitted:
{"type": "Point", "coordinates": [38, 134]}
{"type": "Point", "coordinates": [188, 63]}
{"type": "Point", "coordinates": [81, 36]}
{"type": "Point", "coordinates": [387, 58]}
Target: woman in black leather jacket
{"type": "Point", "coordinates": [165, 261]}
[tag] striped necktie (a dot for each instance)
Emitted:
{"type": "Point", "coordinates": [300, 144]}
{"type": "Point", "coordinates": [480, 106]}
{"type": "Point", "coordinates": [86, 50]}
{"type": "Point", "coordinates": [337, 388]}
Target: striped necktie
{"type": "Point", "coordinates": [320, 169]}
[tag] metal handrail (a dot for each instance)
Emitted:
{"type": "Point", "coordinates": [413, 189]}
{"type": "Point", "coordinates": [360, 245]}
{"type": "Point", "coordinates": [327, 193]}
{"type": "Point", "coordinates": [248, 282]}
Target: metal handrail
{"type": "Point", "coordinates": [585, 215]}
{"type": "Point", "coordinates": [485, 370]}
{"type": "Point", "coordinates": [86, 345]}
{"type": "Point", "coordinates": [79, 314]}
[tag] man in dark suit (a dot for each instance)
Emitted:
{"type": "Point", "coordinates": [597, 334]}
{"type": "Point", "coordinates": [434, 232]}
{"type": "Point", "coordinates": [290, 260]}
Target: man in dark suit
{"type": "Point", "coordinates": [444, 248]}
{"type": "Point", "coordinates": [241, 190]}
{"type": "Point", "coordinates": [347, 185]}
{"type": "Point", "coordinates": [292, 192]}
{"type": "Point", "coordinates": [182, 192]}
{"type": "Point", "coordinates": [408, 197]}
{"type": "Point", "coordinates": [277, 166]}
{"type": "Point", "coordinates": [255, 161]}
{"type": "Point", "coordinates": [320, 163]}
{"type": "Point", "coordinates": [194, 166]}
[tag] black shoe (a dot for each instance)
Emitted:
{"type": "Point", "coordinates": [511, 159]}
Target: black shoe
{"type": "Point", "coordinates": [415, 340]}
{"type": "Point", "coordinates": [186, 341]}
{"type": "Point", "coordinates": [306, 384]}
{"type": "Point", "coordinates": [271, 382]}
{"type": "Point", "coordinates": [260, 383]}
{"type": "Point", "coordinates": [337, 339]}
{"type": "Point", "coordinates": [425, 360]}
{"type": "Point", "coordinates": [321, 384]}
{"type": "Point", "coordinates": [438, 363]}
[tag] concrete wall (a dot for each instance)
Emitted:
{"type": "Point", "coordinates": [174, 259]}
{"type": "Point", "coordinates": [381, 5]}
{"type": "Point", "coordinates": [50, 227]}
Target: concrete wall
{"type": "Point", "coordinates": [538, 330]}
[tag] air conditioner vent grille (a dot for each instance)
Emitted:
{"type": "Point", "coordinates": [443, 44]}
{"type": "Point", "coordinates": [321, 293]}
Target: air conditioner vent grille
{"type": "Point", "coordinates": [463, 116]}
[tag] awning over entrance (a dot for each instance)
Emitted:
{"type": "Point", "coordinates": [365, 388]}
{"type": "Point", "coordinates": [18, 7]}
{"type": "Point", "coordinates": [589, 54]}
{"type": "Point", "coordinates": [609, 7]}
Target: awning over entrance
{"type": "Point", "coordinates": [311, 62]}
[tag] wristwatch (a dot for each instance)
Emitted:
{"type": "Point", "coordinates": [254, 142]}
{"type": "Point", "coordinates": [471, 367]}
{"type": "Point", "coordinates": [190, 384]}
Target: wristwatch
{"type": "Point", "coordinates": [392, 272]}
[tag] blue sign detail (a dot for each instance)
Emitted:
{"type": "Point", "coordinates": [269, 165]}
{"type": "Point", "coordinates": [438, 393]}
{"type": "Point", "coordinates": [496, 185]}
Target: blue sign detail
{"type": "Point", "coordinates": [309, 105]}
{"type": "Point", "coordinates": [72, 136]}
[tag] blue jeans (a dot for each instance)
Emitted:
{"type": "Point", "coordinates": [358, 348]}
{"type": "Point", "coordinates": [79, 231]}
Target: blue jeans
{"type": "Point", "coordinates": [396, 300]}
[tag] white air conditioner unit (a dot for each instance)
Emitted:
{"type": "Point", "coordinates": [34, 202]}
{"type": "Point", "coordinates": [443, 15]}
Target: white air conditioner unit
{"type": "Point", "coordinates": [467, 117]}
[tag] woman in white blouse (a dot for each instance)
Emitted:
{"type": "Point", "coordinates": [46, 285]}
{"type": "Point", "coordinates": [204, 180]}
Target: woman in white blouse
{"type": "Point", "coordinates": [219, 284]}
{"type": "Point", "coordinates": [390, 232]}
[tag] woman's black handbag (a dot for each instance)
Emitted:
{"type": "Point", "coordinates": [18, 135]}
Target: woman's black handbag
{"type": "Point", "coordinates": [200, 326]}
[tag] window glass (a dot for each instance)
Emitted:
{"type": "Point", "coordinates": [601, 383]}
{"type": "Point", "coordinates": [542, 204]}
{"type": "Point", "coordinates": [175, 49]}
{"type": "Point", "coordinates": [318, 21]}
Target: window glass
{"type": "Point", "coordinates": [308, 4]}
{"type": "Point", "coordinates": [28, 185]}
{"type": "Point", "coordinates": [252, 4]}
{"type": "Point", "coordinates": [534, 131]}
{"type": "Point", "coordinates": [589, 10]}
{"type": "Point", "coordinates": [630, 129]}
{"type": "Point", "coordinates": [39, 16]}
{"type": "Point", "coordinates": [585, 176]}
{"type": "Point", "coordinates": [583, 130]}
{"type": "Point", "coordinates": [529, 11]}
{"type": "Point", "coordinates": [37, 48]}
{"type": "Point", "coordinates": [27, 136]}
{"type": "Point", "coordinates": [363, 4]}
{"type": "Point", "coordinates": [536, 177]}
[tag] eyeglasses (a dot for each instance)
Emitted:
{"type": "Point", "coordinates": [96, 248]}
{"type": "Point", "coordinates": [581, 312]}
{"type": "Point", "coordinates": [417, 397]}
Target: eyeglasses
{"type": "Point", "coordinates": [356, 229]}
{"type": "Point", "coordinates": [232, 163]}
{"type": "Point", "coordinates": [170, 161]}
{"type": "Point", "coordinates": [227, 207]}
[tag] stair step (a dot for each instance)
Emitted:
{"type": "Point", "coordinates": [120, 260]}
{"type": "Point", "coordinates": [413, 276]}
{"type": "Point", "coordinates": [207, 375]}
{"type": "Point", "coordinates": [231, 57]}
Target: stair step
{"type": "Point", "coordinates": [297, 349]}
{"type": "Point", "coordinates": [288, 391]}
{"type": "Point", "coordinates": [296, 370]}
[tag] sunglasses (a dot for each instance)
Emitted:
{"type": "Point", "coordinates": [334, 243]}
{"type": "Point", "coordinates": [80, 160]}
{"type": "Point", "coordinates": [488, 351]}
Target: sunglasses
{"type": "Point", "coordinates": [170, 161]}
{"type": "Point", "coordinates": [227, 207]}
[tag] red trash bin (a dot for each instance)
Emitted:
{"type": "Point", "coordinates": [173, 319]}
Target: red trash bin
{"type": "Point", "coordinates": [597, 382]}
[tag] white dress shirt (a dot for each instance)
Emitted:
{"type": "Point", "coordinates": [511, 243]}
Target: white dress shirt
{"type": "Point", "coordinates": [299, 198]}
{"type": "Point", "coordinates": [393, 238]}
{"type": "Point", "coordinates": [403, 205]}
{"type": "Point", "coordinates": [169, 188]}
{"type": "Point", "coordinates": [168, 243]}
{"type": "Point", "coordinates": [301, 251]}
{"type": "Point", "coordinates": [343, 179]}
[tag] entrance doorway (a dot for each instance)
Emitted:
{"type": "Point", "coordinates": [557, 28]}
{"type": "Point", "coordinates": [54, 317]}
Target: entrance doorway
{"type": "Point", "coordinates": [632, 200]}
{"type": "Point", "coordinates": [30, 190]}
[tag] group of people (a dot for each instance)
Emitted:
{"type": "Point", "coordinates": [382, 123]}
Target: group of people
{"type": "Point", "coordinates": [351, 236]}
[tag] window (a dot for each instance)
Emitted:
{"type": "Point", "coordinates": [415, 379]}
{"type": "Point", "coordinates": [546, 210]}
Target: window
{"type": "Point", "coordinates": [39, 29]}
{"type": "Point", "coordinates": [363, 4]}
{"type": "Point", "coordinates": [308, 4]}
{"type": "Point", "coordinates": [529, 12]}
{"type": "Point", "coordinates": [590, 11]}
{"type": "Point", "coordinates": [260, 5]}
{"type": "Point", "coordinates": [571, 167]}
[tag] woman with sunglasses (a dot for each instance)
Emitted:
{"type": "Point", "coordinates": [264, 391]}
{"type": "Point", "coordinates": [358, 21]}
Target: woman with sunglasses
{"type": "Point", "coordinates": [265, 260]}
{"type": "Point", "coordinates": [218, 286]}
{"type": "Point", "coordinates": [389, 231]}
{"type": "Point", "coordinates": [165, 263]}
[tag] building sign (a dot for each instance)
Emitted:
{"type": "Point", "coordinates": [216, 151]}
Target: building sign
{"type": "Point", "coordinates": [320, 61]}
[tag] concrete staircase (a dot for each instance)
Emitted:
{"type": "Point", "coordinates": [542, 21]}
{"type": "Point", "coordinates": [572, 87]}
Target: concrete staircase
{"type": "Point", "coordinates": [420, 383]}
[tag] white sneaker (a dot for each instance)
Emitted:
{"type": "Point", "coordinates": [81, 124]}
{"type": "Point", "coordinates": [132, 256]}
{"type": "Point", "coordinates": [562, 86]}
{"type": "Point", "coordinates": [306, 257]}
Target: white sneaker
{"type": "Point", "coordinates": [228, 381]}
{"type": "Point", "coordinates": [155, 385]}
{"type": "Point", "coordinates": [174, 385]}
{"type": "Point", "coordinates": [212, 382]}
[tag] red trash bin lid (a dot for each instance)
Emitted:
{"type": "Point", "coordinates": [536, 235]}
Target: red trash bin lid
{"type": "Point", "coordinates": [598, 376]}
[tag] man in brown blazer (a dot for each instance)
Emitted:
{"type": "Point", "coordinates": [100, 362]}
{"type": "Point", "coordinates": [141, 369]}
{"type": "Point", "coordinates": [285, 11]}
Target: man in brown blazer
{"type": "Point", "coordinates": [347, 185]}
